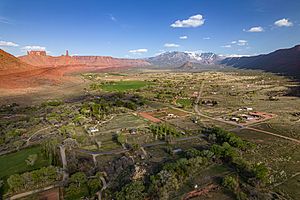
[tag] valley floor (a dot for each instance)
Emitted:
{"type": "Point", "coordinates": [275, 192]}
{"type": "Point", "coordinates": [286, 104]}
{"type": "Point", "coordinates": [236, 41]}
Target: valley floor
{"type": "Point", "coordinates": [130, 127]}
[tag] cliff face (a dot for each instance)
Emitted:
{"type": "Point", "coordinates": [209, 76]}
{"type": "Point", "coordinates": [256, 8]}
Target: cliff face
{"type": "Point", "coordinates": [48, 61]}
{"type": "Point", "coordinates": [107, 61]}
{"type": "Point", "coordinates": [88, 61]}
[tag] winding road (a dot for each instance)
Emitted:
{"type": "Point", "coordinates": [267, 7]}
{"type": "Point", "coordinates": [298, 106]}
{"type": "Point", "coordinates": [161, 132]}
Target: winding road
{"type": "Point", "coordinates": [238, 127]}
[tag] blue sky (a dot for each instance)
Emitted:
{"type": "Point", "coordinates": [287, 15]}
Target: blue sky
{"type": "Point", "coordinates": [142, 28]}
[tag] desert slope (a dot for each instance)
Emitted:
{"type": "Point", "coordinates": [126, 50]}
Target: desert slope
{"type": "Point", "coordinates": [32, 71]}
{"type": "Point", "coordinates": [10, 64]}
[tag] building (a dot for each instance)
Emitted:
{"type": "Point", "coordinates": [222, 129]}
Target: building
{"type": "Point", "coordinates": [37, 53]}
{"type": "Point", "coordinates": [133, 131]}
{"type": "Point", "coordinates": [234, 119]}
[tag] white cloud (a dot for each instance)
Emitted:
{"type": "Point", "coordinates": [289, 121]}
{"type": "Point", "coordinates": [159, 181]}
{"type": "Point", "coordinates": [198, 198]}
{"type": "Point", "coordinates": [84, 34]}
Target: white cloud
{"type": "Point", "coordinates": [238, 42]}
{"type": "Point", "coordinates": [256, 29]}
{"type": "Point", "coordinates": [184, 37]}
{"type": "Point", "coordinates": [171, 45]}
{"type": "Point", "coordinates": [235, 55]}
{"type": "Point", "coordinates": [193, 21]}
{"type": "Point", "coordinates": [34, 48]}
{"type": "Point", "coordinates": [283, 22]}
{"type": "Point", "coordinates": [138, 51]}
{"type": "Point", "coordinates": [8, 44]}
{"type": "Point", "coordinates": [206, 38]}
{"type": "Point", "coordinates": [4, 20]}
{"type": "Point", "coordinates": [226, 46]}
{"type": "Point", "coordinates": [112, 18]}
{"type": "Point", "coordinates": [242, 42]}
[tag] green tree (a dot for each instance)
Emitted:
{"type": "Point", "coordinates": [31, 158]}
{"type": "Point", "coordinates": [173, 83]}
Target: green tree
{"type": "Point", "coordinates": [230, 183]}
{"type": "Point", "coordinates": [16, 182]}
{"type": "Point", "coordinates": [132, 191]}
{"type": "Point", "coordinates": [121, 139]}
{"type": "Point", "coordinates": [261, 172]}
{"type": "Point", "coordinates": [31, 159]}
{"type": "Point", "coordinates": [78, 178]}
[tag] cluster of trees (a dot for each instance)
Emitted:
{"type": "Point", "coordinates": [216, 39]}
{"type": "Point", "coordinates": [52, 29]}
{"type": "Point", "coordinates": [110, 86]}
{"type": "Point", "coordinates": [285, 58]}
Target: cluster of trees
{"type": "Point", "coordinates": [169, 178]}
{"type": "Point", "coordinates": [34, 179]}
{"type": "Point", "coordinates": [11, 135]}
{"type": "Point", "coordinates": [132, 191]}
{"type": "Point", "coordinates": [220, 136]}
{"type": "Point", "coordinates": [162, 131]}
{"type": "Point", "coordinates": [173, 175]}
{"type": "Point", "coordinates": [81, 186]}
{"type": "Point", "coordinates": [253, 174]}
{"type": "Point", "coordinates": [105, 105]}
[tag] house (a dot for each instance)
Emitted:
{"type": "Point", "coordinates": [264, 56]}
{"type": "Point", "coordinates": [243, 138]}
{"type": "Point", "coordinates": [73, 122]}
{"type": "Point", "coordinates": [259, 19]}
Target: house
{"type": "Point", "coordinates": [175, 151]}
{"type": "Point", "coordinates": [234, 119]}
{"type": "Point", "coordinates": [93, 130]}
{"type": "Point", "coordinates": [171, 115]}
{"type": "Point", "coordinates": [248, 108]}
{"type": "Point", "coordinates": [133, 131]}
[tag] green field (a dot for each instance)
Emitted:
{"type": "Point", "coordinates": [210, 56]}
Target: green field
{"type": "Point", "coordinates": [122, 86]}
{"type": "Point", "coordinates": [15, 162]}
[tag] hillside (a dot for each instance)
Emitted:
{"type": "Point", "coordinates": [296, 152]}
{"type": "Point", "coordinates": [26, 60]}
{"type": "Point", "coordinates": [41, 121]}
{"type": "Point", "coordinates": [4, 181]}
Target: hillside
{"type": "Point", "coordinates": [10, 64]}
{"type": "Point", "coordinates": [286, 61]}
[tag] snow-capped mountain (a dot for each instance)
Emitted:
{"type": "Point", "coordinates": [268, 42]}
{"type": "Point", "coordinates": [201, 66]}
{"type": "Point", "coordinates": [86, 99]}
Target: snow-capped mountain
{"type": "Point", "coordinates": [176, 59]}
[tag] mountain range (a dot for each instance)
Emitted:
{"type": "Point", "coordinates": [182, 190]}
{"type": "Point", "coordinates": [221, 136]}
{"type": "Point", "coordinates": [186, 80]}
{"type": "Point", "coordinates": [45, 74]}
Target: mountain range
{"type": "Point", "coordinates": [285, 61]}
{"type": "Point", "coordinates": [24, 70]}
{"type": "Point", "coordinates": [177, 59]}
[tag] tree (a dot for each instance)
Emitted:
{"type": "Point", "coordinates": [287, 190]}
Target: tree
{"type": "Point", "coordinates": [78, 186]}
{"type": "Point", "coordinates": [31, 159]}
{"type": "Point", "coordinates": [261, 172]}
{"type": "Point", "coordinates": [16, 182]}
{"type": "Point", "coordinates": [50, 150]}
{"type": "Point", "coordinates": [78, 178]}
{"type": "Point", "coordinates": [74, 192]}
{"type": "Point", "coordinates": [132, 191]}
{"type": "Point", "coordinates": [230, 183]}
{"type": "Point", "coordinates": [121, 139]}
{"type": "Point", "coordinates": [94, 185]}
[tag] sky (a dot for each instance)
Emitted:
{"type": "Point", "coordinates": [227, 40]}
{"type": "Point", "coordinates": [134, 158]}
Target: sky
{"type": "Point", "coordinates": [144, 28]}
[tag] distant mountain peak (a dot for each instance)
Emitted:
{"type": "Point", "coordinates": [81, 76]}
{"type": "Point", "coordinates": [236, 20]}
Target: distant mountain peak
{"type": "Point", "coordinates": [176, 58]}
